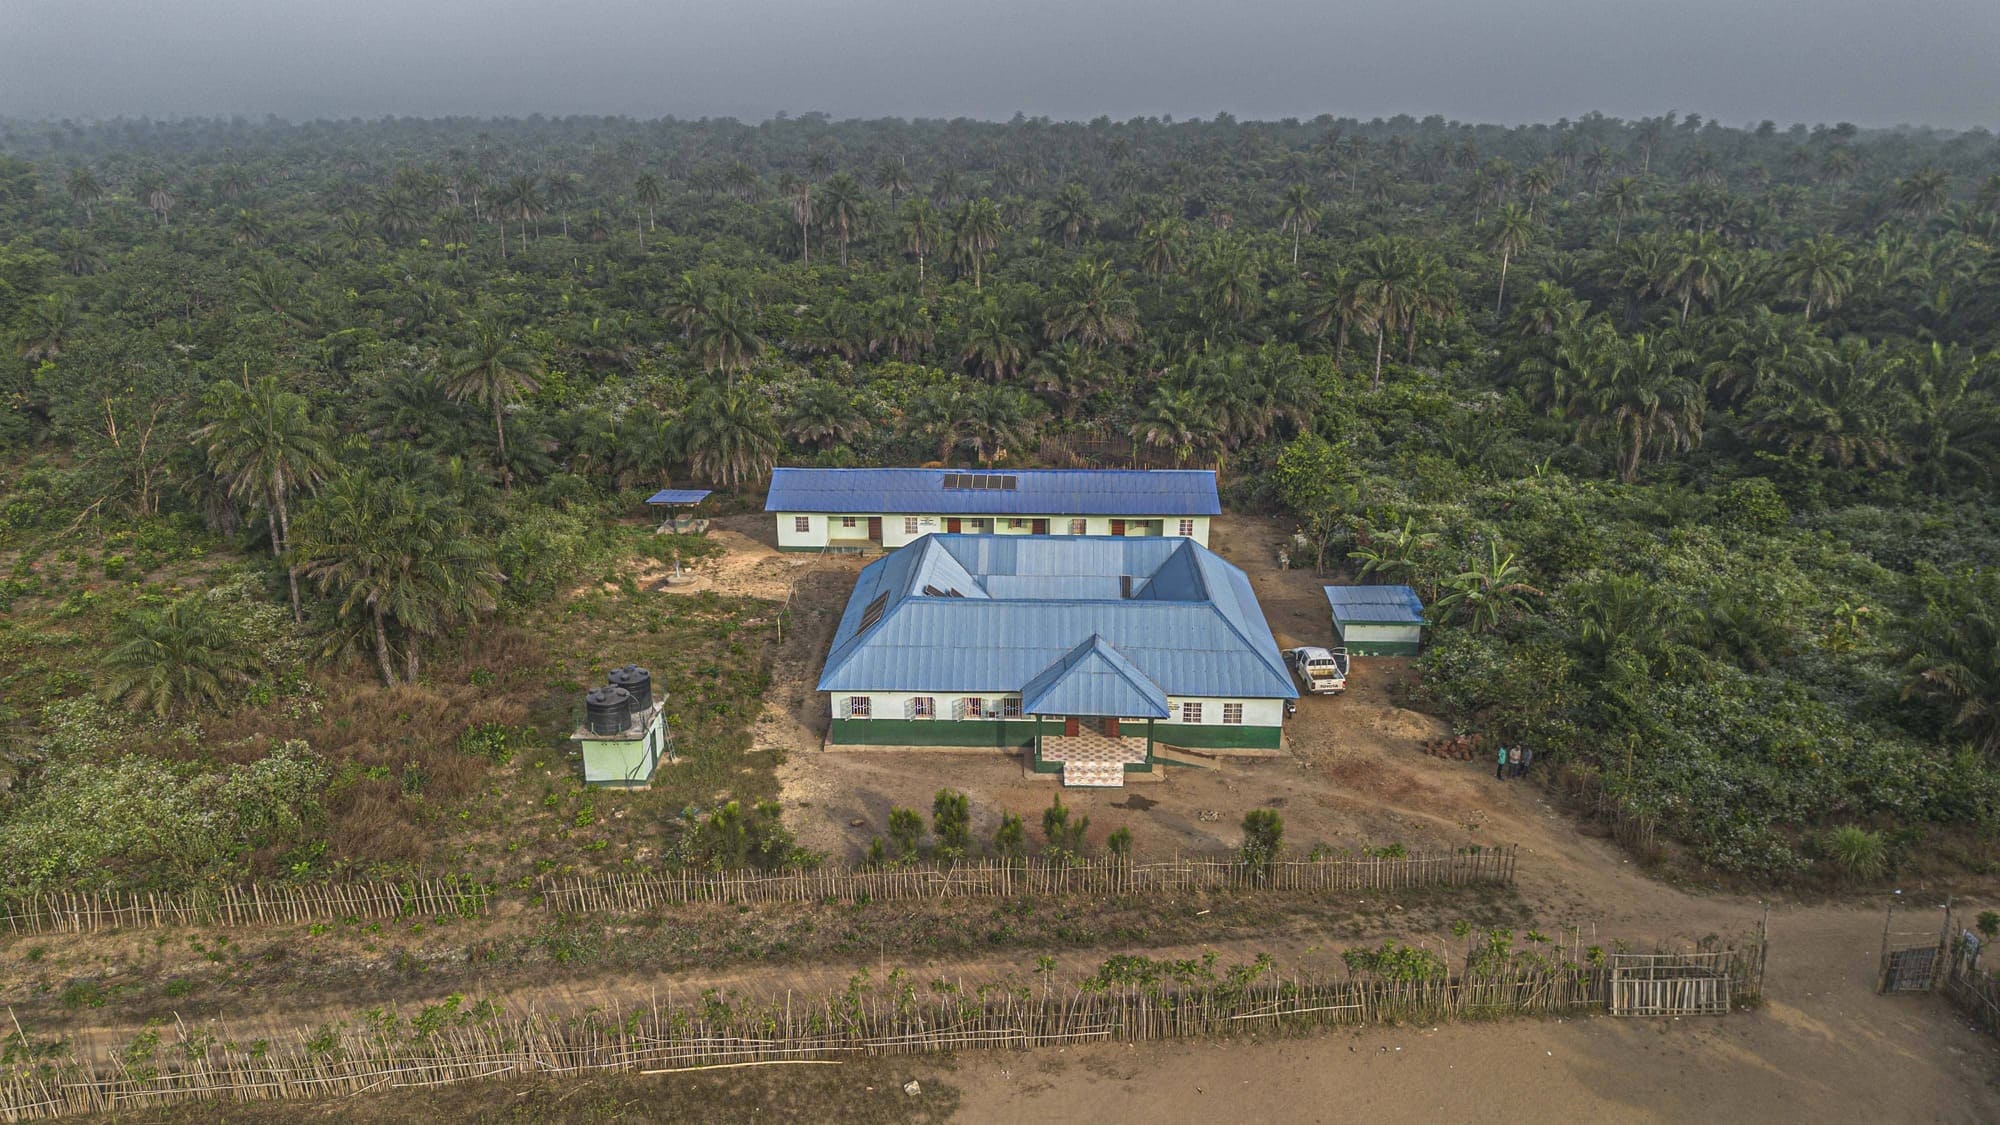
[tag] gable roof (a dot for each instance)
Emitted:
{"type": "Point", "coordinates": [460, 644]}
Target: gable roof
{"type": "Point", "coordinates": [1025, 492]}
{"type": "Point", "coordinates": [1190, 624]}
{"type": "Point", "coordinates": [1375, 605]}
{"type": "Point", "coordinates": [1094, 678]}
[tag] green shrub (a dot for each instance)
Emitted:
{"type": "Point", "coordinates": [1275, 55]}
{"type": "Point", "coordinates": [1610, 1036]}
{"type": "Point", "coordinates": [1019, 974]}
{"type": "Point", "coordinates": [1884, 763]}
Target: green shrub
{"type": "Point", "coordinates": [1263, 837]}
{"type": "Point", "coordinates": [1858, 853]}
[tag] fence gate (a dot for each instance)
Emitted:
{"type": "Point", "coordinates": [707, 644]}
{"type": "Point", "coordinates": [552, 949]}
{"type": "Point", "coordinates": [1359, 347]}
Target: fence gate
{"type": "Point", "coordinates": [1911, 965]}
{"type": "Point", "coordinates": [1670, 984]}
{"type": "Point", "coordinates": [1914, 969]}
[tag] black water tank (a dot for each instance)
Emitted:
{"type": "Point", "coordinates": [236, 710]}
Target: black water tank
{"type": "Point", "coordinates": [639, 682]}
{"type": "Point", "coordinates": [607, 710]}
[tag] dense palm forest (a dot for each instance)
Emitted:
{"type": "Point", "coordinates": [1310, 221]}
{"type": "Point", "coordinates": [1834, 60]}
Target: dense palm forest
{"type": "Point", "coordinates": [1688, 432]}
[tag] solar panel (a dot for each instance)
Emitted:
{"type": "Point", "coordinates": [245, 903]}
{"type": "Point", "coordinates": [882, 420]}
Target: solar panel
{"type": "Point", "coordinates": [873, 613]}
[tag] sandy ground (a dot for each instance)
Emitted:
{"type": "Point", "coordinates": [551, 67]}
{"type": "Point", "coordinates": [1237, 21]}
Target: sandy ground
{"type": "Point", "coordinates": [1824, 1047]}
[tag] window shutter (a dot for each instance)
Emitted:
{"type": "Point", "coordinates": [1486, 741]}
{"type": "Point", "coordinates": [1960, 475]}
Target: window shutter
{"type": "Point", "coordinates": [910, 708]}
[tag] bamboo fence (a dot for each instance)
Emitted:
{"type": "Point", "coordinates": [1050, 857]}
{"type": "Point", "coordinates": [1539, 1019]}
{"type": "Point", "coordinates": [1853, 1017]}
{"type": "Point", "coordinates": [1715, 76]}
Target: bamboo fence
{"type": "Point", "coordinates": [641, 892]}
{"type": "Point", "coordinates": [256, 904]}
{"type": "Point", "coordinates": [387, 1051]}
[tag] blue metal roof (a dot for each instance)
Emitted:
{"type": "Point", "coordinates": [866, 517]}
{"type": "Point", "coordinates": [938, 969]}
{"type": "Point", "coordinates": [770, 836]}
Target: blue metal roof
{"type": "Point", "coordinates": [1190, 625]}
{"type": "Point", "coordinates": [1375, 605]}
{"type": "Point", "coordinates": [678, 496]}
{"type": "Point", "coordinates": [1036, 492]}
{"type": "Point", "coordinates": [1094, 678]}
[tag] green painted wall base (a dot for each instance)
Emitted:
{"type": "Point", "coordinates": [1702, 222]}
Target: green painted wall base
{"type": "Point", "coordinates": [1001, 734]}
{"type": "Point", "coordinates": [1218, 737]}
{"type": "Point", "coordinates": [1382, 648]}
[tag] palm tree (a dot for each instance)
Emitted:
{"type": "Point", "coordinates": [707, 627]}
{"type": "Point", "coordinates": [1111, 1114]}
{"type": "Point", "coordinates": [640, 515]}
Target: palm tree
{"type": "Point", "coordinates": [840, 209]}
{"type": "Point", "coordinates": [1178, 420]}
{"type": "Point", "coordinates": [1230, 281]}
{"type": "Point", "coordinates": [1298, 215]}
{"type": "Point", "coordinates": [893, 176]}
{"type": "Point", "coordinates": [1513, 229]}
{"type": "Point", "coordinates": [1647, 397]}
{"type": "Point", "coordinates": [392, 552]}
{"type": "Point", "coordinates": [975, 233]}
{"type": "Point", "coordinates": [85, 191]}
{"type": "Point", "coordinates": [1632, 613]}
{"type": "Point", "coordinates": [522, 199]}
{"type": "Point", "coordinates": [1819, 271]}
{"type": "Point", "coordinates": [1548, 309]}
{"type": "Point", "coordinates": [79, 253]}
{"type": "Point", "coordinates": [1069, 375]}
{"type": "Point", "coordinates": [730, 436]}
{"type": "Point", "coordinates": [1954, 654]}
{"type": "Point", "coordinates": [181, 657]}
{"type": "Point", "coordinates": [1160, 243]}
{"type": "Point", "coordinates": [495, 370]}
{"type": "Point", "coordinates": [562, 192]}
{"type": "Point", "coordinates": [687, 304]}
{"type": "Point", "coordinates": [1623, 197]}
{"type": "Point", "coordinates": [726, 336]}
{"type": "Point", "coordinates": [1557, 376]}
{"type": "Point", "coordinates": [1695, 269]}
{"type": "Point", "coordinates": [996, 417]}
{"type": "Point", "coordinates": [1924, 192]}
{"type": "Point", "coordinates": [994, 342]}
{"type": "Point", "coordinates": [824, 415]}
{"type": "Point", "coordinates": [51, 321]}
{"type": "Point", "coordinates": [648, 191]}
{"type": "Point", "coordinates": [1385, 274]}
{"type": "Point", "coordinates": [922, 232]}
{"type": "Point", "coordinates": [802, 212]}
{"type": "Point", "coordinates": [1952, 422]}
{"type": "Point", "coordinates": [1536, 185]}
{"type": "Point", "coordinates": [1401, 556]}
{"type": "Point", "coordinates": [1492, 590]}
{"type": "Point", "coordinates": [1095, 310]}
{"type": "Point", "coordinates": [1839, 410]}
{"type": "Point", "coordinates": [1069, 216]}
{"type": "Point", "coordinates": [263, 443]}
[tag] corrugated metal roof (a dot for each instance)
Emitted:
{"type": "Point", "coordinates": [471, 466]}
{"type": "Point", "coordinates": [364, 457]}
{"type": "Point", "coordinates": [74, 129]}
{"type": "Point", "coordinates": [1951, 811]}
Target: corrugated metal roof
{"type": "Point", "coordinates": [1375, 605]}
{"type": "Point", "coordinates": [1192, 626]}
{"type": "Point", "coordinates": [678, 496]}
{"type": "Point", "coordinates": [1094, 678]}
{"type": "Point", "coordinates": [1036, 492]}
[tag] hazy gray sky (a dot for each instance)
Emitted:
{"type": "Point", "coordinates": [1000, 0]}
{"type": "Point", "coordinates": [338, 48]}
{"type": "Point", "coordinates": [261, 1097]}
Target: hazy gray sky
{"type": "Point", "coordinates": [1867, 61]}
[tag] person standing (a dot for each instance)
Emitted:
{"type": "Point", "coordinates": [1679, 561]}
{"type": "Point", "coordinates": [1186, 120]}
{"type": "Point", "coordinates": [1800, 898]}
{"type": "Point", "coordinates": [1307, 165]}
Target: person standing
{"type": "Point", "coordinates": [1514, 761]}
{"type": "Point", "coordinates": [1527, 759]}
{"type": "Point", "coordinates": [1500, 768]}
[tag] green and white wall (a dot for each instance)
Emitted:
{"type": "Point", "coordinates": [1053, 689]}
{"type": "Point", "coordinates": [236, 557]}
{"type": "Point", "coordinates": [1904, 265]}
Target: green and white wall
{"type": "Point", "coordinates": [891, 721]}
{"type": "Point", "coordinates": [1365, 638]}
{"type": "Point", "coordinates": [900, 528]}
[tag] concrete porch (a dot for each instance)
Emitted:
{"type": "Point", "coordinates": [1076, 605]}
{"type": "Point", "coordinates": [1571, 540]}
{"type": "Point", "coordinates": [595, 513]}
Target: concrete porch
{"type": "Point", "coordinates": [1092, 759]}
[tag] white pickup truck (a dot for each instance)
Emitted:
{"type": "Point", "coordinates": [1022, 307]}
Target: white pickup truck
{"type": "Point", "coordinates": [1321, 671]}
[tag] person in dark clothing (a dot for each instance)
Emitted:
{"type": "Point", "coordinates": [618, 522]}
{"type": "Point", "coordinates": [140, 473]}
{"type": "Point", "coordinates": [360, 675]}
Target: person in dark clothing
{"type": "Point", "coordinates": [1527, 759]}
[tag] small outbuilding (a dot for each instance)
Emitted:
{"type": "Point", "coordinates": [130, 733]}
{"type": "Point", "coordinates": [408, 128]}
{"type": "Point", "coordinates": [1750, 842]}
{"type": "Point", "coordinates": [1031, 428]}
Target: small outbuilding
{"type": "Point", "coordinates": [623, 737]}
{"type": "Point", "coordinates": [1377, 620]}
{"type": "Point", "coordinates": [672, 502]}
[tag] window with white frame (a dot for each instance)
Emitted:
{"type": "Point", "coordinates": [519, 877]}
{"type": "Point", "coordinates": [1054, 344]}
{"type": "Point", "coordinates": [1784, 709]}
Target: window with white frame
{"type": "Point", "coordinates": [1079, 527]}
{"type": "Point", "coordinates": [1190, 712]}
{"type": "Point", "coordinates": [1187, 528]}
{"type": "Point", "coordinates": [1232, 713]}
{"type": "Point", "coordinates": [1017, 524]}
{"type": "Point", "coordinates": [802, 523]}
{"type": "Point", "coordinates": [909, 525]}
{"type": "Point", "coordinates": [1010, 708]}
{"type": "Point", "coordinates": [973, 708]}
{"type": "Point", "coordinates": [923, 707]}
{"type": "Point", "coordinates": [847, 521]}
{"type": "Point", "coordinates": [860, 707]}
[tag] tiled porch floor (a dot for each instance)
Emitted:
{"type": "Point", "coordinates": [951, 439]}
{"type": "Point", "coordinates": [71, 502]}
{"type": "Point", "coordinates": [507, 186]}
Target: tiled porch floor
{"type": "Point", "coordinates": [1090, 758]}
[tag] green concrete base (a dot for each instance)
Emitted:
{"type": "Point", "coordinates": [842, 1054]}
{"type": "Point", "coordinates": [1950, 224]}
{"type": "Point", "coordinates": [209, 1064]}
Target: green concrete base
{"type": "Point", "coordinates": [1381, 648]}
{"type": "Point", "coordinates": [1000, 734]}
{"type": "Point", "coordinates": [1218, 737]}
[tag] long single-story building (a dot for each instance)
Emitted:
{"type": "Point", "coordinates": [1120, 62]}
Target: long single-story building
{"type": "Point", "coordinates": [1377, 620]}
{"type": "Point", "coordinates": [1090, 651]}
{"type": "Point", "coordinates": [874, 509]}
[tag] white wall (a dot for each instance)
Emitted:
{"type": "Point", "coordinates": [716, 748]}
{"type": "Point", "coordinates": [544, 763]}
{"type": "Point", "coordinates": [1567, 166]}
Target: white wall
{"type": "Point", "coordinates": [1256, 712]}
{"type": "Point", "coordinates": [1391, 634]}
{"type": "Point", "coordinates": [895, 532]}
{"type": "Point", "coordinates": [892, 704]}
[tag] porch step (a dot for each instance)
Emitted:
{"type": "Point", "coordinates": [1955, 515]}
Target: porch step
{"type": "Point", "coordinates": [1094, 775]}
